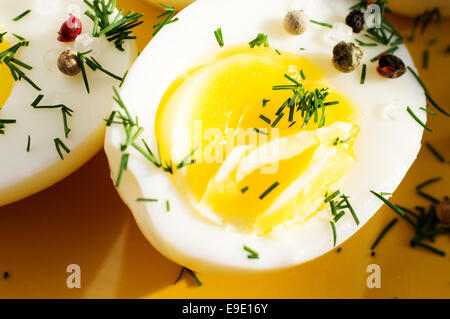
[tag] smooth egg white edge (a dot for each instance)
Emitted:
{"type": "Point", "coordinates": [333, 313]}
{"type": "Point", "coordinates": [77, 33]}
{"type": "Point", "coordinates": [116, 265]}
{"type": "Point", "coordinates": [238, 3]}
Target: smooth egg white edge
{"type": "Point", "coordinates": [25, 173]}
{"type": "Point", "coordinates": [385, 148]}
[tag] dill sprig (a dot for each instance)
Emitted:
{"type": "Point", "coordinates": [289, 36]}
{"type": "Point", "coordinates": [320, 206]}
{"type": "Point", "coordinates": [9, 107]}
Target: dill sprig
{"type": "Point", "coordinates": [394, 207]}
{"type": "Point", "coordinates": [427, 93]}
{"type": "Point", "coordinates": [65, 111]}
{"type": "Point", "coordinates": [435, 152]}
{"type": "Point", "coordinates": [3, 123]}
{"type": "Point", "coordinates": [426, 195]}
{"type": "Point", "coordinates": [219, 37]}
{"type": "Point", "coordinates": [323, 24]}
{"type": "Point", "coordinates": [414, 116]}
{"type": "Point", "coordinates": [338, 206]}
{"type": "Point", "coordinates": [252, 254]}
{"type": "Point", "coordinates": [133, 131]}
{"type": "Point", "coordinates": [365, 44]}
{"type": "Point", "coordinates": [167, 15]}
{"type": "Point", "coordinates": [20, 16]}
{"type": "Point", "coordinates": [8, 58]}
{"type": "Point", "coordinates": [117, 29]}
{"type": "Point", "coordinates": [261, 39]}
{"type": "Point", "coordinates": [307, 103]}
{"type": "Point", "coordinates": [60, 145]}
{"type": "Point", "coordinates": [383, 232]}
{"type": "Point", "coordinates": [190, 272]}
{"type": "Point", "coordinates": [94, 65]}
{"type": "Point", "coordinates": [426, 227]}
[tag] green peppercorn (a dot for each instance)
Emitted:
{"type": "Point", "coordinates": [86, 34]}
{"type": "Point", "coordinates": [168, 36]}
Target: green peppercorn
{"type": "Point", "coordinates": [347, 56]}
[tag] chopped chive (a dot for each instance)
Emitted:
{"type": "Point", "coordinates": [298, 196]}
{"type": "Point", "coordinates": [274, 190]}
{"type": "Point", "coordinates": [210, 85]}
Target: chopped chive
{"type": "Point", "coordinates": [338, 216]}
{"type": "Point", "coordinates": [244, 189]}
{"type": "Point", "coordinates": [385, 193]}
{"type": "Point", "coordinates": [58, 145]}
{"type": "Point", "coordinates": [252, 254]}
{"type": "Point", "coordinates": [20, 16]}
{"type": "Point", "coordinates": [388, 203]}
{"type": "Point", "coordinates": [264, 102]}
{"type": "Point", "coordinates": [332, 196]}
{"type": "Point", "coordinates": [265, 119]}
{"type": "Point", "coordinates": [219, 36]}
{"type": "Point", "coordinates": [323, 24]}
{"type": "Point", "coordinates": [292, 124]}
{"type": "Point", "coordinates": [167, 206]}
{"type": "Point", "coordinates": [28, 143]}
{"type": "Point", "coordinates": [427, 93]}
{"type": "Point", "coordinates": [122, 167]}
{"type": "Point", "coordinates": [267, 191]}
{"type": "Point", "coordinates": [365, 44]}
{"type": "Point", "coordinates": [302, 74]}
{"type": "Point", "coordinates": [427, 110]}
{"type": "Point", "coordinates": [280, 116]}
{"type": "Point", "coordinates": [425, 57]}
{"type": "Point", "coordinates": [260, 131]}
{"type": "Point", "coordinates": [430, 248]}
{"type": "Point", "coordinates": [278, 52]}
{"type": "Point", "coordinates": [383, 232]}
{"type": "Point", "coordinates": [333, 227]}
{"type": "Point", "coordinates": [418, 120]}
{"type": "Point", "coordinates": [429, 197]}
{"type": "Point", "coordinates": [388, 51]}
{"type": "Point", "coordinates": [363, 74]}
{"type": "Point", "coordinates": [146, 200]}
{"type": "Point", "coordinates": [435, 152]}
{"type": "Point", "coordinates": [110, 119]}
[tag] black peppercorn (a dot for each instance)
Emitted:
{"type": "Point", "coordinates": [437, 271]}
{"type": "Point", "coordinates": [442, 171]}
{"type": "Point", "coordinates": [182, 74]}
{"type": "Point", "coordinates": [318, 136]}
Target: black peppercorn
{"type": "Point", "coordinates": [355, 19]}
{"type": "Point", "coordinates": [390, 66]}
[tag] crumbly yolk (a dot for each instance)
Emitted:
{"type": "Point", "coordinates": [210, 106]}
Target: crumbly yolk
{"type": "Point", "coordinates": [216, 109]}
{"type": "Point", "coordinates": [6, 79]}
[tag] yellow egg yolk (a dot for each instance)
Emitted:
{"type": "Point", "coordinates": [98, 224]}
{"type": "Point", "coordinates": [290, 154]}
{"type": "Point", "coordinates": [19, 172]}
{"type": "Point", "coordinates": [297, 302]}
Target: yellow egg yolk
{"type": "Point", "coordinates": [6, 79]}
{"type": "Point", "coordinates": [249, 173]}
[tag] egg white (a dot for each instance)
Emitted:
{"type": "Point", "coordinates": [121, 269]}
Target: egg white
{"type": "Point", "coordinates": [387, 145]}
{"type": "Point", "coordinates": [25, 173]}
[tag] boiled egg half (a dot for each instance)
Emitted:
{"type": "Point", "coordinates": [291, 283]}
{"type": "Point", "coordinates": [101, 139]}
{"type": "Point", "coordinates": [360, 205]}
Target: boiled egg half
{"type": "Point", "coordinates": [222, 172]}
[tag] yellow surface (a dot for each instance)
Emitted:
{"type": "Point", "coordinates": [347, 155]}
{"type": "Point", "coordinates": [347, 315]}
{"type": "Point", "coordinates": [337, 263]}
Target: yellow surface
{"type": "Point", "coordinates": [82, 220]}
{"type": "Point", "coordinates": [228, 103]}
{"type": "Point", "coordinates": [6, 79]}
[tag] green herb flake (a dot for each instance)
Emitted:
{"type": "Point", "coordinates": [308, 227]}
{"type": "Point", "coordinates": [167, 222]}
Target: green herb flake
{"type": "Point", "coordinates": [260, 40]}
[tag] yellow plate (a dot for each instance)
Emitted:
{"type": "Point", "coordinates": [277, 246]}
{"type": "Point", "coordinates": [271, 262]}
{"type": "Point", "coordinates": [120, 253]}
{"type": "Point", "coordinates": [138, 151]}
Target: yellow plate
{"type": "Point", "coordinates": [83, 221]}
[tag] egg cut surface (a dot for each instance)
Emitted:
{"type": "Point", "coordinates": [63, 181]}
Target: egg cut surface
{"type": "Point", "coordinates": [238, 172]}
{"type": "Point", "coordinates": [33, 137]}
